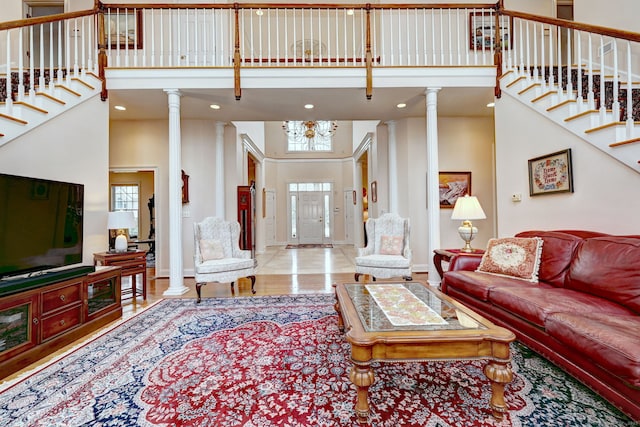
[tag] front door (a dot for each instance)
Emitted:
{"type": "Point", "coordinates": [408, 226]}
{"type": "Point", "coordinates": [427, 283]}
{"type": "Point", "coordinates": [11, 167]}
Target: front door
{"type": "Point", "coordinates": [311, 217]}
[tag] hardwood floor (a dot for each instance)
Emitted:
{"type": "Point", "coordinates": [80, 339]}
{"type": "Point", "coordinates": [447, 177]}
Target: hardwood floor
{"type": "Point", "coordinates": [266, 284]}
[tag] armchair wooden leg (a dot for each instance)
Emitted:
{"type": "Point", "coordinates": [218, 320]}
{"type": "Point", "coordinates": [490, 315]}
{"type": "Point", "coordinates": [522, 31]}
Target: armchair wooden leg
{"type": "Point", "coordinates": [232, 290]}
{"type": "Point", "coordinates": [408, 278]}
{"type": "Point", "coordinates": [198, 286]}
{"type": "Point", "coordinates": [356, 276]}
{"type": "Point", "coordinates": [253, 282]}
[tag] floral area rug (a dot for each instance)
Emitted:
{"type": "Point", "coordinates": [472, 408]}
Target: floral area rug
{"type": "Point", "coordinates": [274, 361]}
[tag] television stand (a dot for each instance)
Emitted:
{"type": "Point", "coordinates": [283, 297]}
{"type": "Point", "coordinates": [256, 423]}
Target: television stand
{"type": "Point", "coordinates": [46, 316]}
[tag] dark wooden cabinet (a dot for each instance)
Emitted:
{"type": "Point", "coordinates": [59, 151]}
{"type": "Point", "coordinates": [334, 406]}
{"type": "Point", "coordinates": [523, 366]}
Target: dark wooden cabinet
{"type": "Point", "coordinates": [41, 320]}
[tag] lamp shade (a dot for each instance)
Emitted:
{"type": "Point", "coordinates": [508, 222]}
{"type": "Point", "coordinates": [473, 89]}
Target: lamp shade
{"type": "Point", "coordinates": [120, 220]}
{"type": "Point", "coordinates": [467, 208]}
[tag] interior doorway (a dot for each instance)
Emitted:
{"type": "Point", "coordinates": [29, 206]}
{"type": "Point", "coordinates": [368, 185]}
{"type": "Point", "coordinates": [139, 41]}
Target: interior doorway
{"type": "Point", "coordinates": [50, 32]}
{"type": "Point", "coordinates": [145, 202]}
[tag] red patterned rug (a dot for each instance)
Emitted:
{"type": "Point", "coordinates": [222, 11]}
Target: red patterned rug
{"type": "Point", "coordinates": [274, 361]}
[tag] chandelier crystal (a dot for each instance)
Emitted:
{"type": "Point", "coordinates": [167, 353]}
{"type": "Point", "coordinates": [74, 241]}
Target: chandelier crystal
{"type": "Point", "coordinates": [310, 135]}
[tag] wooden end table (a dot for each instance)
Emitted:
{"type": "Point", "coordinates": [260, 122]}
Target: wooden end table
{"type": "Point", "coordinates": [447, 330]}
{"type": "Point", "coordinates": [132, 264]}
{"type": "Point", "coordinates": [440, 255]}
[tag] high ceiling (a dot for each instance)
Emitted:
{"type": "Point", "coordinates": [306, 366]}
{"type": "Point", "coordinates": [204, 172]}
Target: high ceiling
{"type": "Point", "coordinates": [288, 104]}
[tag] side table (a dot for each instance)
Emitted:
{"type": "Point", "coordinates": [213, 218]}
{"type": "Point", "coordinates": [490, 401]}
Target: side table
{"type": "Point", "coordinates": [440, 255]}
{"type": "Point", "coordinates": [132, 264]}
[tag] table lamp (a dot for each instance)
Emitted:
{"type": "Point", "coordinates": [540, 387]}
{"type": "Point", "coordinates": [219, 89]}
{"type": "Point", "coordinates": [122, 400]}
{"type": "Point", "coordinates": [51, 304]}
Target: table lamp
{"type": "Point", "coordinates": [467, 208]}
{"type": "Point", "coordinates": [121, 221]}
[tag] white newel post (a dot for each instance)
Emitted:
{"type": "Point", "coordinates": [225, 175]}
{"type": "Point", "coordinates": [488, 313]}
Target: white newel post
{"type": "Point", "coordinates": [393, 168]}
{"type": "Point", "coordinates": [176, 274]}
{"type": "Point", "coordinates": [433, 195]}
{"type": "Point", "coordinates": [220, 182]}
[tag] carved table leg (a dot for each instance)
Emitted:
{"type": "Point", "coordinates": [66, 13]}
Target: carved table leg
{"type": "Point", "coordinates": [362, 376]}
{"type": "Point", "coordinates": [336, 306]}
{"type": "Point", "coordinates": [499, 372]}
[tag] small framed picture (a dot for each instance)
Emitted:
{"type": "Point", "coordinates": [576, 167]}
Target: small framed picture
{"type": "Point", "coordinates": [482, 31]}
{"type": "Point", "coordinates": [453, 185]}
{"type": "Point", "coordinates": [124, 28]}
{"type": "Point", "coordinates": [551, 173]}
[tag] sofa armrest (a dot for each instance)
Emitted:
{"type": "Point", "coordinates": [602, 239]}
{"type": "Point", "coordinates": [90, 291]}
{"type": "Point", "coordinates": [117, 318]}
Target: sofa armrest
{"type": "Point", "coordinates": [464, 262]}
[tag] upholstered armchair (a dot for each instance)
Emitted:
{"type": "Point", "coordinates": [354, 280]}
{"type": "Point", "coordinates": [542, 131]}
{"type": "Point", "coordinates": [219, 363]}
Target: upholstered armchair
{"type": "Point", "coordinates": [217, 255]}
{"type": "Point", "coordinates": [387, 253]}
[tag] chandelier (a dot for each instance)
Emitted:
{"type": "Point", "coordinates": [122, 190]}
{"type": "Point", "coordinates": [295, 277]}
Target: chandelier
{"type": "Point", "coordinates": [310, 134]}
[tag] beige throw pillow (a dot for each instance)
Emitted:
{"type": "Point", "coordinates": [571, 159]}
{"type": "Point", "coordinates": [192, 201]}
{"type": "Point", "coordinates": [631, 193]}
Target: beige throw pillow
{"type": "Point", "coordinates": [211, 249]}
{"type": "Point", "coordinates": [516, 257]}
{"type": "Point", "coordinates": [391, 245]}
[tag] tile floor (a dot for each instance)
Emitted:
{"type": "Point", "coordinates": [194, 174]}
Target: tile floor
{"type": "Point", "coordinates": [278, 260]}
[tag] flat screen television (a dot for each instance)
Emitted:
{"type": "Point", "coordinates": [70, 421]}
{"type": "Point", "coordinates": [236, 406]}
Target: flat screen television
{"type": "Point", "coordinates": [41, 223]}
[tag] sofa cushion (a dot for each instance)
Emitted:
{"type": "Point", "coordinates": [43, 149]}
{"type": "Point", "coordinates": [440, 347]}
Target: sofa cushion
{"type": "Point", "coordinates": [557, 253]}
{"type": "Point", "coordinates": [478, 284]}
{"type": "Point", "coordinates": [534, 303]}
{"type": "Point", "coordinates": [514, 257]}
{"type": "Point", "coordinates": [610, 341]}
{"type": "Point", "coordinates": [608, 267]}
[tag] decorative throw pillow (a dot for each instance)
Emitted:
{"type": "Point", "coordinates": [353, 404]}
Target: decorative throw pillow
{"type": "Point", "coordinates": [516, 257]}
{"type": "Point", "coordinates": [391, 245]}
{"type": "Point", "coordinates": [211, 249]}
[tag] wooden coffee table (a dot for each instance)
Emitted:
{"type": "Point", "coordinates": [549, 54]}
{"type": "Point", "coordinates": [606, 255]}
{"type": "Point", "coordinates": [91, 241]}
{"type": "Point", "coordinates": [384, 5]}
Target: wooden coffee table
{"type": "Point", "coordinates": [410, 321]}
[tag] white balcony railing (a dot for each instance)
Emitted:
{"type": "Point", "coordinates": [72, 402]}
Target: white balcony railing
{"type": "Point", "coordinates": [42, 52]}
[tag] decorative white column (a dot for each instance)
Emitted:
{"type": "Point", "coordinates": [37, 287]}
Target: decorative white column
{"type": "Point", "coordinates": [176, 274]}
{"type": "Point", "coordinates": [258, 231]}
{"type": "Point", "coordinates": [433, 197]}
{"type": "Point", "coordinates": [393, 167]}
{"type": "Point", "coordinates": [220, 181]}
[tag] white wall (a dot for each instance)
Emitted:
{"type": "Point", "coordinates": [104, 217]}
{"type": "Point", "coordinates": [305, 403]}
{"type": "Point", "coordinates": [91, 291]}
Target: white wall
{"type": "Point", "coordinates": [467, 145]}
{"type": "Point", "coordinates": [78, 154]}
{"type": "Point", "coordinates": [606, 192]}
{"type": "Point", "coordinates": [619, 14]}
{"type": "Point", "coordinates": [144, 144]}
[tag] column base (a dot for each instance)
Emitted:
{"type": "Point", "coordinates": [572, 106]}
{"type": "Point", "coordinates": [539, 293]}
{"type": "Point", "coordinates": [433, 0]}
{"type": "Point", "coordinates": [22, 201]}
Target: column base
{"type": "Point", "coordinates": [181, 290]}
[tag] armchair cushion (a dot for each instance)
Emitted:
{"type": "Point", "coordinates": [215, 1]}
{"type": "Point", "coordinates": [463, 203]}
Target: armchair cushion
{"type": "Point", "coordinates": [211, 249]}
{"type": "Point", "coordinates": [391, 245]}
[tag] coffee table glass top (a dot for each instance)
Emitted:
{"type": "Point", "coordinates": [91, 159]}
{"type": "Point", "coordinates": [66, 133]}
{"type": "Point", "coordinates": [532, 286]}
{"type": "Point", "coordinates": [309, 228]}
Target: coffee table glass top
{"type": "Point", "coordinates": [406, 306]}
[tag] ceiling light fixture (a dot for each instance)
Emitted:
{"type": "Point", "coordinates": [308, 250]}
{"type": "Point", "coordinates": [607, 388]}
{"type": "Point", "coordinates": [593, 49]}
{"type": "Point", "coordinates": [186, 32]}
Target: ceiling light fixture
{"type": "Point", "coordinates": [313, 132]}
{"type": "Point", "coordinates": [120, 108]}
{"type": "Point", "coordinates": [214, 106]}
{"type": "Point", "coordinates": [401, 105]}
{"type": "Point", "coordinates": [308, 106]}
{"type": "Point", "coordinates": [491, 104]}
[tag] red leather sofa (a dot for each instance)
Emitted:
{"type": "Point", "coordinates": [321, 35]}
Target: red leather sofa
{"type": "Point", "coordinates": [583, 314]}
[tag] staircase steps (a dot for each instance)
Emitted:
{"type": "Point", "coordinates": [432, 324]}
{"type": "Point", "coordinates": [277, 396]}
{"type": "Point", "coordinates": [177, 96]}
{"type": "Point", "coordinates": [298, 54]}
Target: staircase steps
{"type": "Point", "coordinates": [600, 122]}
{"type": "Point", "coordinates": [29, 108]}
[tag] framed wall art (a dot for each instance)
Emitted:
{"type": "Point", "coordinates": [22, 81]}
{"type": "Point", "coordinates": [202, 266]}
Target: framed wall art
{"type": "Point", "coordinates": [453, 185]}
{"type": "Point", "coordinates": [124, 29]}
{"type": "Point", "coordinates": [551, 173]}
{"type": "Point", "coordinates": [482, 31]}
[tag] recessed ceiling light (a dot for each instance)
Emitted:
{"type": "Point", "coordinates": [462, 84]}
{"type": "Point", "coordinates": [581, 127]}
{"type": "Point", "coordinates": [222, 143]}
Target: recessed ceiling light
{"type": "Point", "coordinates": [308, 106]}
{"type": "Point", "coordinates": [401, 105]}
{"type": "Point", "coordinates": [120, 107]}
{"type": "Point", "coordinates": [214, 106]}
{"type": "Point", "coordinates": [491, 104]}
